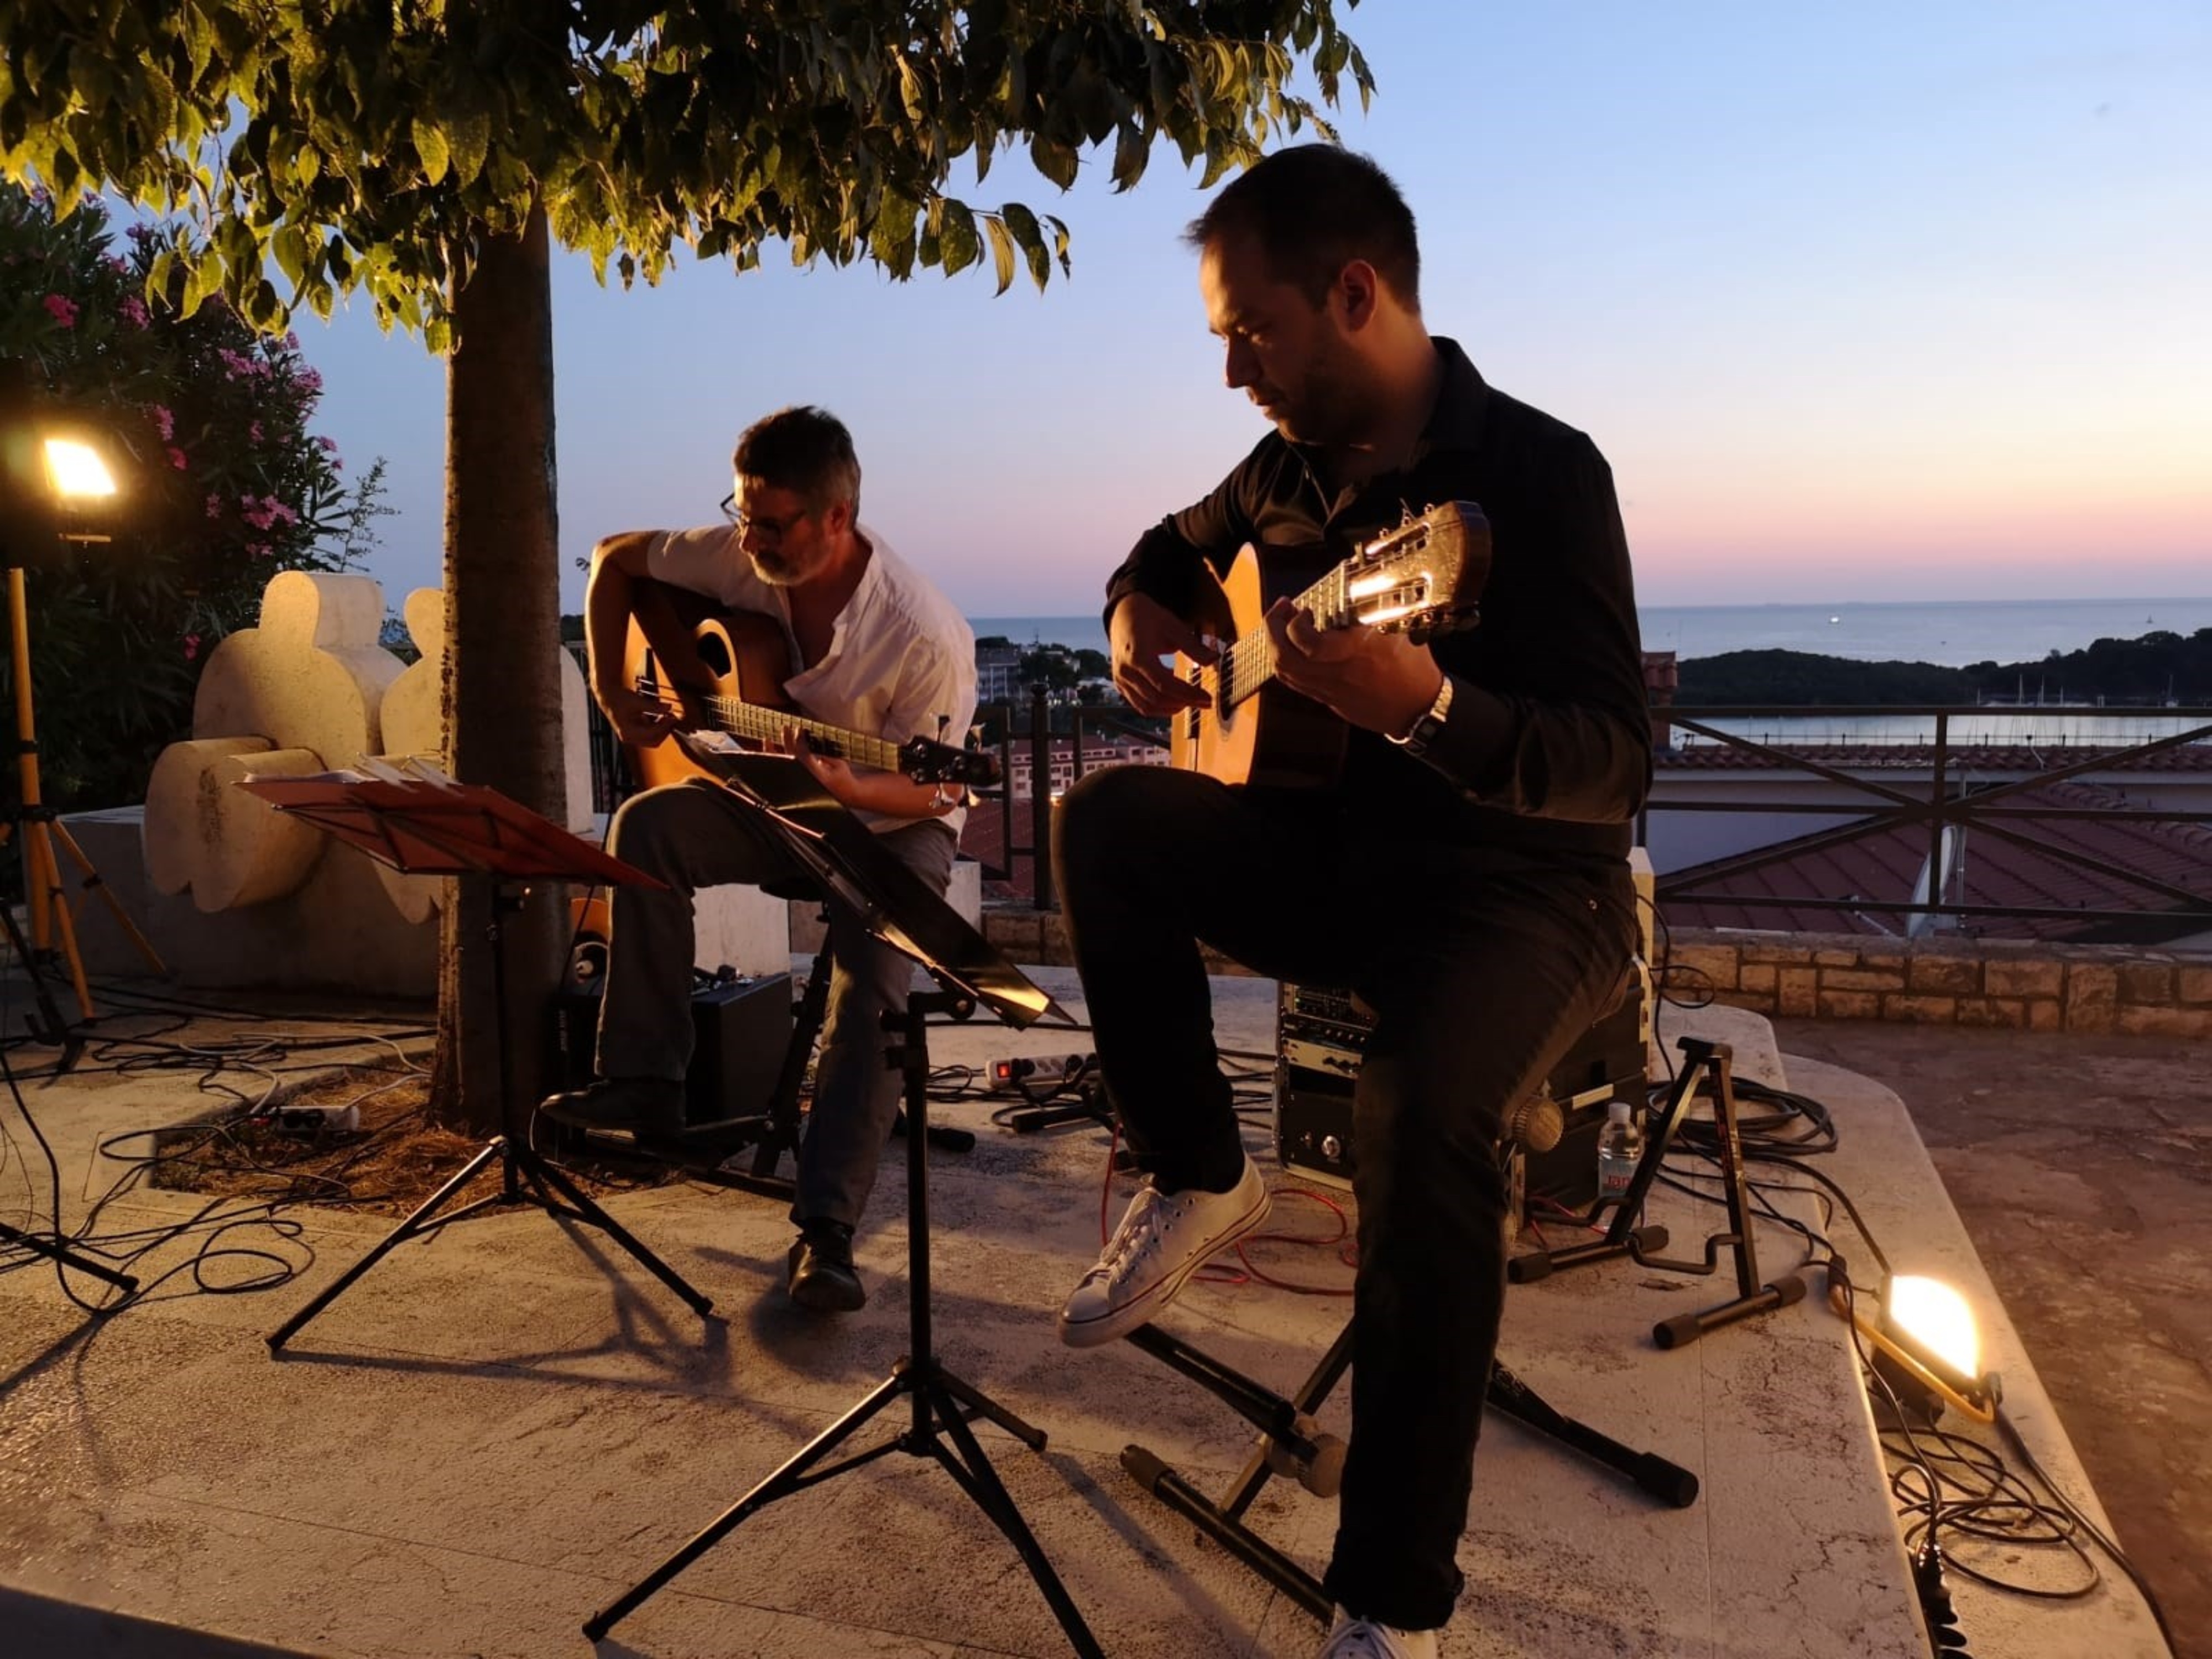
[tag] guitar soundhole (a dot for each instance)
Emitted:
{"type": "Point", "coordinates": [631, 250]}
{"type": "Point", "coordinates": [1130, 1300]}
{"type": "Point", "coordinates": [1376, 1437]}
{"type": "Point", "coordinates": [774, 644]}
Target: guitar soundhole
{"type": "Point", "coordinates": [714, 652]}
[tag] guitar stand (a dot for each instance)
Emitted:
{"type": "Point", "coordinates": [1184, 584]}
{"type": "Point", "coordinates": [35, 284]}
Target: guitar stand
{"type": "Point", "coordinates": [1291, 1444]}
{"type": "Point", "coordinates": [943, 1403]}
{"type": "Point", "coordinates": [1624, 1238]}
{"type": "Point", "coordinates": [518, 1164]}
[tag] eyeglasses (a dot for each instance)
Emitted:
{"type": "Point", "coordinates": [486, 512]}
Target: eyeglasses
{"type": "Point", "coordinates": [773, 530]}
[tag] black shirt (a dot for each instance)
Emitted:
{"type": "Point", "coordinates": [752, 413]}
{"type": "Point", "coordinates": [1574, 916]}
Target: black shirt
{"type": "Point", "coordinates": [1547, 748]}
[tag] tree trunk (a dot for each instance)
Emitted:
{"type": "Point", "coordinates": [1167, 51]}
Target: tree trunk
{"type": "Point", "coordinates": [503, 695]}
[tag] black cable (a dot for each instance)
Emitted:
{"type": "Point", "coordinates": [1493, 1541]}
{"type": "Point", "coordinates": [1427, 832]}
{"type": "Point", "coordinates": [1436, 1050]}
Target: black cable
{"type": "Point", "coordinates": [2110, 1548]}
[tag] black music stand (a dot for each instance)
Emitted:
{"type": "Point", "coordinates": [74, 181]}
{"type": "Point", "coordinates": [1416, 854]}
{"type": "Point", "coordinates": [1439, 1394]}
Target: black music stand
{"type": "Point", "coordinates": [423, 823]}
{"type": "Point", "coordinates": [1624, 1238]}
{"type": "Point", "coordinates": [897, 908]}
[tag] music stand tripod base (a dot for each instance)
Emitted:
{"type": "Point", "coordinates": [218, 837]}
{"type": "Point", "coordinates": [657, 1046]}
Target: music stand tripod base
{"type": "Point", "coordinates": [425, 827]}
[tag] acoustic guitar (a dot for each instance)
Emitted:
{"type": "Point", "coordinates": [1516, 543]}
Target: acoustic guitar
{"type": "Point", "coordinates": [724, 670]}
{"type": "Point", "coordinates": [1423, 578]}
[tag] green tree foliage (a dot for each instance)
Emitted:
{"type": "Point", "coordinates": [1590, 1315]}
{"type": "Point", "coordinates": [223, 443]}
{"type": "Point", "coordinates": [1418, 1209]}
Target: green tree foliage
{"type": "Point", "coordinates": [223, 485]}
{"type": "Point", "coordinates": [382, 141]}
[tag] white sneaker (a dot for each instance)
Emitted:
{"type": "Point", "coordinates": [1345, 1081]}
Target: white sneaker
{"type": "Point", "coordinates": [1162, 1240]}
{"type": "Point", "coordinates": [1362, 1638]}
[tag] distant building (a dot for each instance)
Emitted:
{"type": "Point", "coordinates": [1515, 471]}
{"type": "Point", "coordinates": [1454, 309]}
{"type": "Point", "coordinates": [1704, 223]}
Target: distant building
{"type": "Point", "coordinates": [1097, 751]}
{"type": "Point", "coordinates": [998, 673]}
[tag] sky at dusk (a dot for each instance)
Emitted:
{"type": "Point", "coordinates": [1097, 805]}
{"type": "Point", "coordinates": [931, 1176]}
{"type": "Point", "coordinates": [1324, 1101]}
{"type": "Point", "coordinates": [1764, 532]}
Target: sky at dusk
{"type": "Point", "coordinates": [1881, 301]}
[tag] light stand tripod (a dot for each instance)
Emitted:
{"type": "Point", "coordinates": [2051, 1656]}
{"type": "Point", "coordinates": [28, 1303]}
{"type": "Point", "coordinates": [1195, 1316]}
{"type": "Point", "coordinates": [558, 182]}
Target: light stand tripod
{"type": "Point", "coordinates": [429, 825]}
{"type": "Point", "coordinates": [901, 911]}
{"type": "Point", "coordinates": [51, 918]}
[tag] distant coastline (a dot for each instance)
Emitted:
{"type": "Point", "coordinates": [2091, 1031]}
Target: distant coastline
{"type": "Point", "coordinates": [1952, 634]}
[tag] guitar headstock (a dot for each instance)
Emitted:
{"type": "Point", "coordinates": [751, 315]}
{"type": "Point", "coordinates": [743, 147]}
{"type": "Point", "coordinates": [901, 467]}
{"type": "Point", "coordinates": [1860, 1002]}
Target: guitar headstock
{"type": "Point", "coordinates": [1425, 577]}
{"type": "Point", "coordinates": [927, 761]}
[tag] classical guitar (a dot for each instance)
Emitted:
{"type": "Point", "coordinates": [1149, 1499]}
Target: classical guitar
{"type": "Point", "coordinates": [726, 669]}
{"type": "Point", "coordinates": [1425, 577]}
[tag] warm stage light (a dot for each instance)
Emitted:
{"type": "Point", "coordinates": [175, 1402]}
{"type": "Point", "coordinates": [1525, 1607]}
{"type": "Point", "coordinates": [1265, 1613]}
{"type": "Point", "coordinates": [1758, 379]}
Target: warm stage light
{"type": "Point", "coordinates": [1930, 1312]}
{"type": "Point", "coordinates": [1928, 1330]}
{"type": "Point", "coordinates": [76, 471]}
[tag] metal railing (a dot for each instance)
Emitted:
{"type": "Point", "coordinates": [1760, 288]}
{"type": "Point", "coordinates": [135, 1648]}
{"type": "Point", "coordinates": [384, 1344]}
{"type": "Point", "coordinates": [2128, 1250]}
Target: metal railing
{"type": "Point", "coordinates": [1948, 801]}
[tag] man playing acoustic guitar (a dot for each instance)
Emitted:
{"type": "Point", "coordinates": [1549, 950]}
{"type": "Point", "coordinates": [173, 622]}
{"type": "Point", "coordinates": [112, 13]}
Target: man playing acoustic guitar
{"type": "Point", "coordinates": [863, 642]}
{"type": "Point", "coordinates": [1465, 872]}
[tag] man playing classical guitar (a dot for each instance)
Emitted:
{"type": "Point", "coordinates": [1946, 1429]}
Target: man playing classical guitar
{"type": "Point", "coordinates": [872, 648]}
{"type": "Point", "coordinates": [1466, 874]}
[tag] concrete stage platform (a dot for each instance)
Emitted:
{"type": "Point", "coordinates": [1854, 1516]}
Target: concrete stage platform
{"type": "Point", "coordinates": [496, 1431]}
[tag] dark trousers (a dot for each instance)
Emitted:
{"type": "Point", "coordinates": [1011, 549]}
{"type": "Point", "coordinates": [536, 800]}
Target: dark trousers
{"type": "Point", "coordinates": [1482, 967]}
{"type": "Point", "coordinates": [697, 834]}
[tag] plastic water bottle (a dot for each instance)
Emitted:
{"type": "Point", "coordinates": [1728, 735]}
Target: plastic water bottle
{"type": "Point", "coordinates": [1619, 1149]}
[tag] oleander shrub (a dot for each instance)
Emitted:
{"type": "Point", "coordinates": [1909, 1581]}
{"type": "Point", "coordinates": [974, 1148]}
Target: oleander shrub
{"type": "Point", "coordinates": [224, 484]}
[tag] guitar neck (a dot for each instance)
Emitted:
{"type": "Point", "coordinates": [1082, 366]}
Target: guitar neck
{"type": "Point", "coordinates": [1249, 665]}
{"type": "Point", "coordinates": [765, 725]}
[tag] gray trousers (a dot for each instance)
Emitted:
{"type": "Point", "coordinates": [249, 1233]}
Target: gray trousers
{"type": "Point", "coordinates": [696, 835]}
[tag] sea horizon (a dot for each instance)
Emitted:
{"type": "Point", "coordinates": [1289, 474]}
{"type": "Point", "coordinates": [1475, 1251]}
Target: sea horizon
{"type": "Point", "coordinates": [1948, 633]}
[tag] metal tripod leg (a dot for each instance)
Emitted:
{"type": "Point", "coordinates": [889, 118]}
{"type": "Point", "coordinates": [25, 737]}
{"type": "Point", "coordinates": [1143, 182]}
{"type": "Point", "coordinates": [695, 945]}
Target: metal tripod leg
{"type": "Point", "coordinates": [517, 1164]}
{"type": "Point", "coordinates": [942, 1402]}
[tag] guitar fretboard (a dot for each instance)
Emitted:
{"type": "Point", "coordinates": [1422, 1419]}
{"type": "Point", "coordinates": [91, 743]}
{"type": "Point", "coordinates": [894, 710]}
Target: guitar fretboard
{"type": "Point", "coordinates": [768, 725]}
{"type": "Point", "coordinates": [1249, 664]}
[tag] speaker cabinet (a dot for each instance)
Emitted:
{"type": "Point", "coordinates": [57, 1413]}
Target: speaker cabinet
{"type": "Point", "coordinates": [740, 1029]}
{"type": "Point", "coordinates": [1321, 1035]}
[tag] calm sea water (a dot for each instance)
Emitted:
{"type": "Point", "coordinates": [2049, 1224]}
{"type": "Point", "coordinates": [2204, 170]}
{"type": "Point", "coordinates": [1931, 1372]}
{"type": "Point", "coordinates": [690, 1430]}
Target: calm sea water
{"type": "Point", "coordinates": [1952, 634]}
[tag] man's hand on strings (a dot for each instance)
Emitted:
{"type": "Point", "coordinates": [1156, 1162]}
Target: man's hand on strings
{"type": "Point", "coordinates": [1381, 681]}
{"type": "Point", "coordinates": [637, 718]}
{"type": "Point", "coordinates": [1141, 632]}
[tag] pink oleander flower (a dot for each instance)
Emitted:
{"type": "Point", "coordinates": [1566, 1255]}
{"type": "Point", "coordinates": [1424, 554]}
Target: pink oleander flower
{"type": "Point", "coordinates": [215, 506]}
{"type": "Point", "coordinates": [260, 550]}
{"type": "Point", "coordinates": [253, 431]}
{"type": "Point", "coordinates": [176, 458]}
{"type": "Point", "coordinates": [117, 263]}
{"type": "Point", "coordinates": [328, 445]}
{"type": "Point", "coordinates": [164, 422]}
{"type": "Point", "coordinates": [308, 379]}
{"type": "Point", "coordinates": [132, 310]}
{"type": "Point", "coordinates": [291, 341]}
{"type": "Point", "coordinates": [192, 647]}
{"type": "Point", "coordinates": [61, 308]}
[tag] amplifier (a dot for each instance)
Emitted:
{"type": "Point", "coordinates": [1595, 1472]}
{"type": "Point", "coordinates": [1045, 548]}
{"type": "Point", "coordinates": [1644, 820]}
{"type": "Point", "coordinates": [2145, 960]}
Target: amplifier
{"type": "Point", "coordinates": [740, 1029]}
{"type": "Point", "coordinates": [1321, 1035]}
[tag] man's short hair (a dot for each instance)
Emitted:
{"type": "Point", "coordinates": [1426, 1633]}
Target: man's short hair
{"type": "Point", "coordinates": [1314, 208]}
{"type": "Point", "coordinates": [803, 449]}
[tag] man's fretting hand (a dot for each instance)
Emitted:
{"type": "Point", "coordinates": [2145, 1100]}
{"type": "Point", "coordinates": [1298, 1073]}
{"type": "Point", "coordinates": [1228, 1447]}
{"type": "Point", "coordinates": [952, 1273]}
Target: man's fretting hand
{"type": "Point", "coordinates": [1381, 681]}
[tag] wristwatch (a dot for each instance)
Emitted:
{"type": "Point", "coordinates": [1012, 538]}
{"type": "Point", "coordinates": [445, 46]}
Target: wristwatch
{"type": "Point", "coordinates": [1425, 730]}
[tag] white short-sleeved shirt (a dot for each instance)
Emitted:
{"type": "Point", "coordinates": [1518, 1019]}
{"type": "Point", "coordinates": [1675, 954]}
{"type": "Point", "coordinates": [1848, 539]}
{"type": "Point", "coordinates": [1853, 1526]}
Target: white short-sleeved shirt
{"type": "Point", "coordinates": [900, 656]}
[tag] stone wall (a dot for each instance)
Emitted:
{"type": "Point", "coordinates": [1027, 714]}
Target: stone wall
{"type": "Point", "coordinates": [2014, 985]}
{"type": "Point", "coordinates": [2005, 984]}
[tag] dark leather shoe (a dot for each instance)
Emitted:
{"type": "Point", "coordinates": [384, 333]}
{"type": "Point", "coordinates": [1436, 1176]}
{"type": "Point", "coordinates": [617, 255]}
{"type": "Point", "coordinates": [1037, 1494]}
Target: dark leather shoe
{"type": "Point", "coordinates": [821, 1268]}
{"type": "Point", "coordinates": [642, 1105]}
